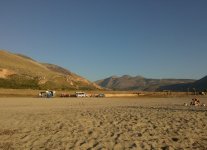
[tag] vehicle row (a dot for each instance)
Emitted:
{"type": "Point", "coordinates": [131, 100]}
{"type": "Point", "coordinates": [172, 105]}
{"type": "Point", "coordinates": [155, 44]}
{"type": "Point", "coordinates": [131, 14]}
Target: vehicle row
{"type": "Point", "coordinates": [49, 94]}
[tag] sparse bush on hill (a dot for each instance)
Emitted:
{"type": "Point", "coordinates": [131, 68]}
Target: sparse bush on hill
{"type": "Point", "coordinates": [55, 86]}
{"type": "Point", "coordinates": [22, 83]}
{"type": "Point", "coordinates": [19, 83]}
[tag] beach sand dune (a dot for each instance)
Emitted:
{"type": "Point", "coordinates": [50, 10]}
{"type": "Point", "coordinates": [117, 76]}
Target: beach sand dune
{"type": "Point", "coordinates": [104, 123]}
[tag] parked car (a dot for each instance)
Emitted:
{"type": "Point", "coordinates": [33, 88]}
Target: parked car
{"type": "Point", "coordinates": [101, 95]}
{"type": "Point", "coordinates": [80, 94]}
{"type": "Point", "coordinates": [65, 95]}
{"type": "Point", "coordinates": [47, 94]}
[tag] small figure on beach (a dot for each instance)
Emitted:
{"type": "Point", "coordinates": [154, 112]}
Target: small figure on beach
{"type": "Point", "coordinates": [196, 102]}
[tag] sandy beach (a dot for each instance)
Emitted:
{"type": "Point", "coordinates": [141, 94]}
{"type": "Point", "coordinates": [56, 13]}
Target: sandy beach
{"type": "Point", "coordinates": [102, 123]}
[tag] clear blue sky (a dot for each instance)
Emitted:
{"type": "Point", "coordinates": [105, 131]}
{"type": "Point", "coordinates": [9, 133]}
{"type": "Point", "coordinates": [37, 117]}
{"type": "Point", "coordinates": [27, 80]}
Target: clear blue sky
{"type": "Point", "coordinates": [100, 38]}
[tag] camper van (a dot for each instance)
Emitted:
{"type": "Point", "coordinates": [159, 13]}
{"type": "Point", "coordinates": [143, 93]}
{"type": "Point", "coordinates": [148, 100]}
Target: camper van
{"type": "Point", "coordinates": [80, 94]}
{"type": "Point", "coordinates": [47, 94]}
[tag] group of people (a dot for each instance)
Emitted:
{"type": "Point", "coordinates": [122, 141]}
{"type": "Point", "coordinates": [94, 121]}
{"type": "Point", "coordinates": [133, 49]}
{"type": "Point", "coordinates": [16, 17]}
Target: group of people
{"type": "Point", "coordinates": [195, 102]}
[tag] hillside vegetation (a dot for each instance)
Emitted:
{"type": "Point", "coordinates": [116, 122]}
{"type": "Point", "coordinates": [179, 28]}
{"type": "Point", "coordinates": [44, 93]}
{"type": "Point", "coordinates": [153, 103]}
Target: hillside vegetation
{"type": "Point", "coordinates": [19, 71]}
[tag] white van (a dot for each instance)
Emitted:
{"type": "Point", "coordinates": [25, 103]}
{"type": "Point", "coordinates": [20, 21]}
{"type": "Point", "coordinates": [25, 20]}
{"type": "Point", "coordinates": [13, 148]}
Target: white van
{"type": "Point", "coordinates": [47, 94]}
{"type": "Point", "coordinates": [80, 94]}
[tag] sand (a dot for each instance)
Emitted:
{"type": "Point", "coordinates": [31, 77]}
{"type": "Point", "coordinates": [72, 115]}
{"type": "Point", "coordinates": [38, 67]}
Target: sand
{"type": "Point", "coordinates": [102, 123]}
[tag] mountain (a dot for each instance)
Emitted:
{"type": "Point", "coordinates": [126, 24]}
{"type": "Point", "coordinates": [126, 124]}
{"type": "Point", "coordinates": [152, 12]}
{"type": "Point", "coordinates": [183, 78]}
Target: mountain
{"type": "Point", "coordinates": [199, 85]}
{"type": "Point", "coordinates": [127, 82]}
{"type": "Point", "coordinates": [20, 71]}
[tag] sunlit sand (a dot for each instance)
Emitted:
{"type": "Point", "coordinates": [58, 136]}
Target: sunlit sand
{"type": "Point", "coordinates": [102, 123]}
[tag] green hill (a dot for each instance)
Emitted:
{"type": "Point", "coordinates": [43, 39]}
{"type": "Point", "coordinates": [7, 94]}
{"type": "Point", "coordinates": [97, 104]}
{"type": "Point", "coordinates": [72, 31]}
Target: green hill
{"type": "Point", "coordinates": [19, 71]}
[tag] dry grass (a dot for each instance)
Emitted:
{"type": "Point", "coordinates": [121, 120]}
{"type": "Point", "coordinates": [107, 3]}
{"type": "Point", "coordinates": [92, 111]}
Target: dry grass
{"type": "Point", "coordinates": [45, 76]}
{"type": "Point", "coordinates": [22, 65]}
{"type": "Point", "coordinates": [18, 93]}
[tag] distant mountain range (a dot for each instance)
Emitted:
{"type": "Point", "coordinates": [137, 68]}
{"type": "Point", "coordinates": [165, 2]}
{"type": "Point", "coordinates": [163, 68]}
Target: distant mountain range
{"type": "Point", "coordinates": [127, 82]}
{"type": "Point", "coordinates": [20, 71]}
{"type": "Point", "coordinates": [199, 85]}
